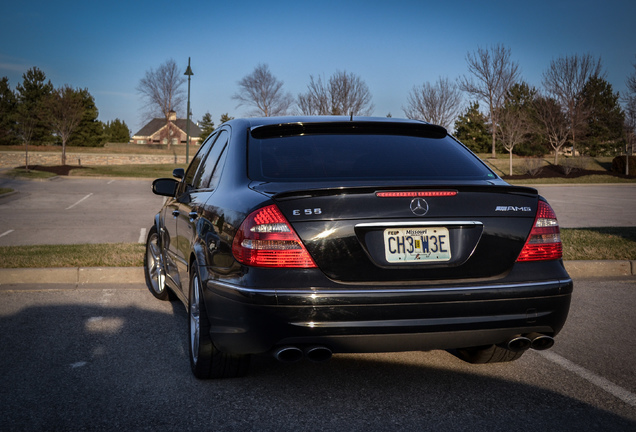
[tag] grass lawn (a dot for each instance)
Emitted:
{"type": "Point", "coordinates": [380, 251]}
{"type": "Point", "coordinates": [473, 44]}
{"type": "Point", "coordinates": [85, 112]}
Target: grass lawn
{"type": "Point", "coordinates": [607, 243]}
{"type": "Point", "coordinates": [138, 171]}
{"type": "Point", "coordinates": [83, 255]}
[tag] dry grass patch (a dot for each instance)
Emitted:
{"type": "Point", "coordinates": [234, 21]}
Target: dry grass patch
{"type": "Point", "coordinates": [607, 243]}
{"type": "Point", "coordinates": [83, 255]}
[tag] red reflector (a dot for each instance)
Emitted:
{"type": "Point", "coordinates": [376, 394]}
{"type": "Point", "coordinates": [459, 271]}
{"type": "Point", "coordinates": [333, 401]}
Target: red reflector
{"type": "Point", "coordinates": [415, 194]}
{"type": "Point", "coordinates": [265, 239]}
{"type": "Point", "coordinates": [544, 241]}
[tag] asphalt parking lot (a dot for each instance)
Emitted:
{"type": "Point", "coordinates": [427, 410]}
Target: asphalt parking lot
{"type": "Point", "coordinates": [111, 357]}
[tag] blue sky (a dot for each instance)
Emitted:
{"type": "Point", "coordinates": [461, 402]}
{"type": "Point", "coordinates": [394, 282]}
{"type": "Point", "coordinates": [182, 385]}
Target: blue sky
{"type": "Point", "coordinates": [108, 46]}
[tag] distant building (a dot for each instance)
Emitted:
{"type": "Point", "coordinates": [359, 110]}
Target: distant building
{"type": "Point", "coordinates": [157, 131]}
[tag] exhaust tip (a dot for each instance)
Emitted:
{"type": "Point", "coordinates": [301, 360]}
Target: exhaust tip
{"type": "Point", "coordinates": [519, 343]}
{"type": "Point", "coordinates": [540, 341]}
{"type": "Point", "coordinates": [288, 354]}
{"type": "Point", "coordinates": [318, 353]}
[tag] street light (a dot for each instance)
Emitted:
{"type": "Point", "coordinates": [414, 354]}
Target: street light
{"type": "Point", "coordinates": [189, 73]}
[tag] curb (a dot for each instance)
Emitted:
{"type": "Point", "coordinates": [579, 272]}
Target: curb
{"type": "Point", "coordinates": [80, 276]}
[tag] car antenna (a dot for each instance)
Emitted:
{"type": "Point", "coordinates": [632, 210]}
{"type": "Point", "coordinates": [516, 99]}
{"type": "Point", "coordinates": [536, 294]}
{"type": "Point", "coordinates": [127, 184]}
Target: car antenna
{"type": "Point", "coordinates": [351, 116]}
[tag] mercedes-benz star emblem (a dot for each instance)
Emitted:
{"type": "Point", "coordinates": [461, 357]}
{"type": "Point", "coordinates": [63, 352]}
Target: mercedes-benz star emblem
{"type": "Point", "coordinates": [419, 206]}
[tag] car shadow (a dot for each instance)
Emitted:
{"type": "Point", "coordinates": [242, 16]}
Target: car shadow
{"type": "Point", "coordinates": [101, 367]}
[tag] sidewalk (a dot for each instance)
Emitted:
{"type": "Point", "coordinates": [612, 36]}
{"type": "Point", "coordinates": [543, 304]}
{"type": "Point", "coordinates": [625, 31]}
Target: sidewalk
{"type": "Point", "coordinates": [135, 275]}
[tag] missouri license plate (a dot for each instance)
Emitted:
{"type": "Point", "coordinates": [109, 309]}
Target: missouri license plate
{"type": "Point", "coordinates": [411, 245]}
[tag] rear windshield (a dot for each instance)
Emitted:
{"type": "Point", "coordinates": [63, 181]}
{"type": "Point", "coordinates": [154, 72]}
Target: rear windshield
{"type": "Point", "coordinates": [327, 157]}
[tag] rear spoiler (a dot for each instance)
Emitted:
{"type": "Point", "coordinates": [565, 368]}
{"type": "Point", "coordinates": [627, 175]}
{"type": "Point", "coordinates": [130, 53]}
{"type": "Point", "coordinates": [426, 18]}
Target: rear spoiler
{"type": "Point", "coordinates": [417, 129]}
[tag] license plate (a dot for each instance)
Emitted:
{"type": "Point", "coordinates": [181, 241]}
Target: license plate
{"type": "Point", "coordinates": [409, 245]}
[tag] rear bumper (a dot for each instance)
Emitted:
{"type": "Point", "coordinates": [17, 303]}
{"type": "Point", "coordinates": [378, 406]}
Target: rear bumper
{"type": "Point", "coordinates": [358, 319]}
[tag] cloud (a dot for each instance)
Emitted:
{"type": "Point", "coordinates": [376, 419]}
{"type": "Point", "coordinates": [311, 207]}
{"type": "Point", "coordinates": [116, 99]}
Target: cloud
{"type": "Point", "coordinates": [13, 67]}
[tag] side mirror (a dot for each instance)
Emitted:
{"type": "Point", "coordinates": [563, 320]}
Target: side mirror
{"type": "Point", "coordinates": [165, 187]}
{"type": "Point", "coordinates": [178, 173]}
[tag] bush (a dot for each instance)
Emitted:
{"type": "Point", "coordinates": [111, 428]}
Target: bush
{"type": "Point", "coordinates": [618, 165]}
{"type": "Point", "coordinates": [532, 166]}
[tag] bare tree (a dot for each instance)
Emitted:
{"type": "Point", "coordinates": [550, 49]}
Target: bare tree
{"type": "Point", "coordinates": [438, 104]}
{"type": "Point", "coordinates": [630, 117]}
{"type": "Point", "coordinates": [26, 119]}
{"type": "Point", "coordinates": [512, 128]}
{"type": "Point", "coordinates": [66, 109]}
{"type": "Point", "coordinates": [552, 122]}
{"type": "Point", "coordinates": [344, 94]}
{"type": "Point", "coordinates": [495, 73]}
{"type": "Point", "coordinates": [317, 99]}
{"type": "Point", "coordinates": [162, 91]}
{"type": "Point", "coordinates": [264, 92]}
{"type": "Point", "coordinates": [564, 80]}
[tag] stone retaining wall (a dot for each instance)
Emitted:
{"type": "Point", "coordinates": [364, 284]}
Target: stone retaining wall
{"type": "Point", "coordinates": [10, 159]}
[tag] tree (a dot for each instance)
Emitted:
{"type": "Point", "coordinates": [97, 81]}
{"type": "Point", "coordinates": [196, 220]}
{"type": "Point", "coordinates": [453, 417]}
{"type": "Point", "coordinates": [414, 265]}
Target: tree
{"type": "Point", "coordinates": [30, 115]}
{"type": "Point", "coordinates": [605, 117]}
{"type": "Point", "coordinates": [344, 94]}
{"type": "Point", "coordinates": [552, 122]}
{"type": "Point", "coordinates": [31, 95]}
{"type": "Point", "coordinates": [162, 91]}
{"type": "Point", "coordinates": [471, 129]}
{"type": "Point", "coordinates": [117, 131]}
{"type": "Point", "coordinates": [514, 118]}
{"type": "Point", "coordinates": [630, 113]}
{"type": "Point", "coordinates": [438, 104]}
{"type": "Point", "coordinates": [206, 125]}
{"type": "Point", "coordinates": [264, 92]}
{"type": "Point", "coordinates": [317, 100]}
{"type": "Point", "coordinates": [90, 131]}
{"type": "Point", "coordinates": [7, 113]}
{"type": "Point", "coordinates": [495, 73]}
{"type": "Point", "coordinates": [225, 118]}
{"type": "Point", "coordinates": [66, 109]}
{"type": "Point", "coordinates": [564, 80]}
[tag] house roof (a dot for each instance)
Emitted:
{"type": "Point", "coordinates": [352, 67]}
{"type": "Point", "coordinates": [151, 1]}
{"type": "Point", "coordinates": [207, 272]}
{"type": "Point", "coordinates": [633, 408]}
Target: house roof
{"type": "Point", "coordinates": [155, 124]}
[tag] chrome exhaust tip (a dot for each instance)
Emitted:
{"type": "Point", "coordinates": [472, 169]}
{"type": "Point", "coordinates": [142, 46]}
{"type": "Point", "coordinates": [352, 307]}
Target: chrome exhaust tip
{"type": "Point", "coordinates": [318, 353]}
{"type": "Point", "coordinates": [519, 343]}
{"type": "Point", "coordinates": [540, 341]}
{"type": "Point", "coordinates": [288, 354]}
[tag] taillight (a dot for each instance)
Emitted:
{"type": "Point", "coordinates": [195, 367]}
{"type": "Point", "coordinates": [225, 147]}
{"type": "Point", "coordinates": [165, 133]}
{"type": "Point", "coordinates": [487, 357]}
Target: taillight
{"type": "Point", "coordinates": [544, 241]}
{"type": "Point", "coordinates": [265, 239]}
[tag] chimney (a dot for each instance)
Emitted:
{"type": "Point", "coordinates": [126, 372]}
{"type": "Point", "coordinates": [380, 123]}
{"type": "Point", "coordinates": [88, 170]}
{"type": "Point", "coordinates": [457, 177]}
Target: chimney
{"type": "Point", "coordinates": [172, 116]}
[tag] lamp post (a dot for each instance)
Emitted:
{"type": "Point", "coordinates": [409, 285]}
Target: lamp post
{"type": "Point", "coordinates": [189, 73]}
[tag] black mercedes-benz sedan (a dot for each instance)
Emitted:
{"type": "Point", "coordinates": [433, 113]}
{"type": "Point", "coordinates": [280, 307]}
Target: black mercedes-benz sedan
{"type": "Point", "coordinates": [308, 236]}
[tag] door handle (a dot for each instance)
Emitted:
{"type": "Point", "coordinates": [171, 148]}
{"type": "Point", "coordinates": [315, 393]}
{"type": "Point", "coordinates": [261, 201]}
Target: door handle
{"type": "Point", "coordinates": [193, 215]}
{"type": "Point", "coordinates": [175, 213]}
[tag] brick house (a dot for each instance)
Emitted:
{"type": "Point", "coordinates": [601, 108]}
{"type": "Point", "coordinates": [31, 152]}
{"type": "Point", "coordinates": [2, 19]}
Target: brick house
{"type": "Point", "coordinates": [158, 132]}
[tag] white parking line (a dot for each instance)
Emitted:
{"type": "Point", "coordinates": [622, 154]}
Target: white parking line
{"type": "Point", "coordinates": [110, 182]}
{"type": "Point", "coordinates": [142, 235]}
{"type": "Point", "coordinates": [600, 382]}
{"type": "Point", "coordinates": [6, 232]}
{"type": "Point", "coordinates": [71, 206]}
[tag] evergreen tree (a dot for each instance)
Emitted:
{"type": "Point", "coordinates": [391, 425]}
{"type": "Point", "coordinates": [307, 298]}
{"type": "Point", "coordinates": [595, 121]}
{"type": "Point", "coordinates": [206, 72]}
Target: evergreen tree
{"type": "Point", "coordinates": [31, 96]}
{"type": "Point", "coordinates": [90, 132]}
{"type": "Point", "coordinates": [7, 113]}
{"type": "Point", "coordinates": [207, 126]}
{"type": "Point", "coordinates": [471, 129]}
{"type": "Point", "coordinates": [605, 118]}
{"type": "Point", "coordinates": [225, 118]}
{"type": "Point", "coordinates": [117, 132]}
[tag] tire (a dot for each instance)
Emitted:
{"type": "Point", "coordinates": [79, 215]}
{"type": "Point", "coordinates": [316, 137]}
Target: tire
{"type": "Point", "coordinates": [205, 360]}
{"type": "Point", "coordinates": [153, 267]}
{"type": "Point", "coordinates": [488, 354]}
